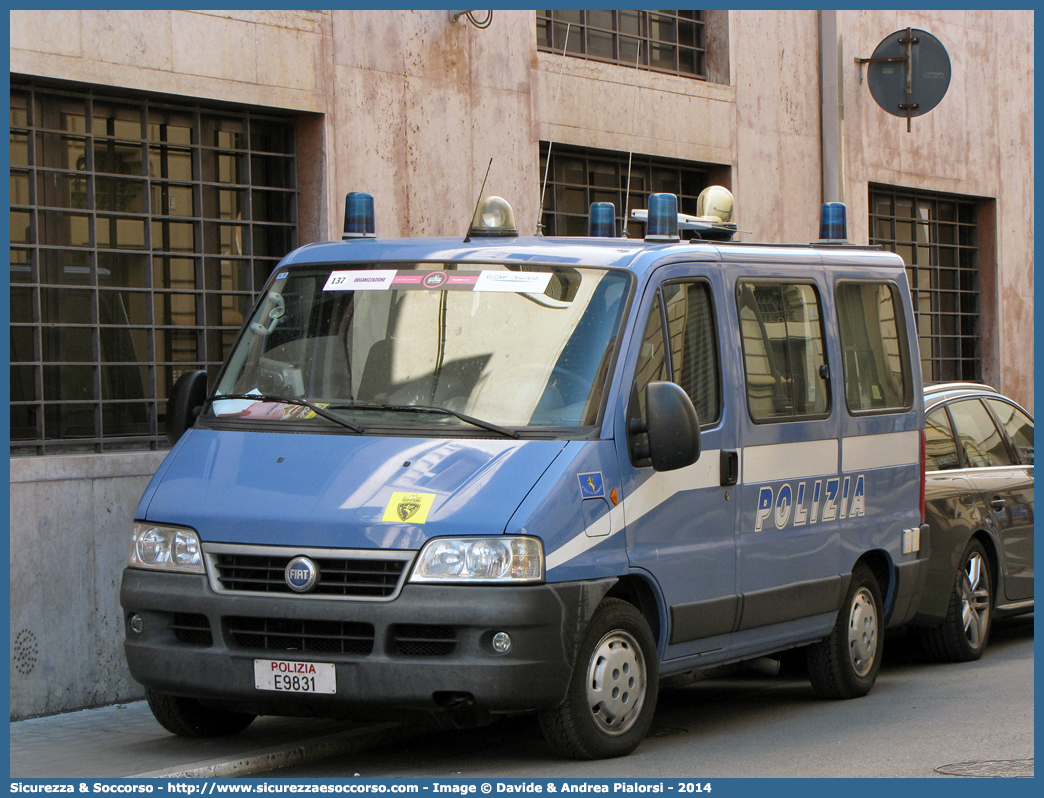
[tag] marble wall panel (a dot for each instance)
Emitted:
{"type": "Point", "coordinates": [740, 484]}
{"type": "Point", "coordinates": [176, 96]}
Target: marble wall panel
{"type": "Point", "coordinates": [214, 47]}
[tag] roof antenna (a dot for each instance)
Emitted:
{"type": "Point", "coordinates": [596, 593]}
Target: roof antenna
{"type": "Point", "coordinates": [554, 121]}
{"type": "Point", "coordinates": [634, 113]}
{"type": "Point", "coordinates": [467, 238]}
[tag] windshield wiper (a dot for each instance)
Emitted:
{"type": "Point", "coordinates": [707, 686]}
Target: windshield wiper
{"type": "Point", "coordinates": [286, 400]}
{"type": "Point", "coordinates": [478, 422]}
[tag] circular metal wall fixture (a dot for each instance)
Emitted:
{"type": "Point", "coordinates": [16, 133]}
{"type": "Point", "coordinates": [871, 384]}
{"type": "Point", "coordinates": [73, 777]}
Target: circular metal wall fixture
{"type": "Point", "coordinates": [908, 73]}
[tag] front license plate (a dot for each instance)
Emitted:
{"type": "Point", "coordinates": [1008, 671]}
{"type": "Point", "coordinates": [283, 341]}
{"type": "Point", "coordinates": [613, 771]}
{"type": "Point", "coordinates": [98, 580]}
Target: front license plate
{"type": "Point", "coordinates": [295, 677]}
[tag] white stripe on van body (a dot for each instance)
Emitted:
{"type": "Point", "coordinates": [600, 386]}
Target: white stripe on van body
{"type": "Point", "coordinates": [866, 452]}
{"type": "Point", "coordinates": [775, 462]}
{"type": "Point", "coordinates": [658, 488]}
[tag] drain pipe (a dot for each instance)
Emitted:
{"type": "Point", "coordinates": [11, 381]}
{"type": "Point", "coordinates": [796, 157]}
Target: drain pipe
{"type": "Point", "coordinates": [831, 105]}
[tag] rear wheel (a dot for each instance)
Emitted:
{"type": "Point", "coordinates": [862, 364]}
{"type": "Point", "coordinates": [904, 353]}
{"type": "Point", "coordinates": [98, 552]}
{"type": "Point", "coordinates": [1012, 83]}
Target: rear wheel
{"type": "Point", "coordinates": [613, 690]}
{"type": "Point", "coordinates": [186, 717]}
{"type": "Point", "coordinates": [845, 664]}
{"type": "Point", "coordinates": [962, 635]}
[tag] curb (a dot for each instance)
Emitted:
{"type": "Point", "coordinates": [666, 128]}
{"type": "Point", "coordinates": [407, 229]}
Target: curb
{"type": "Point", "coordinates": [281, 756]}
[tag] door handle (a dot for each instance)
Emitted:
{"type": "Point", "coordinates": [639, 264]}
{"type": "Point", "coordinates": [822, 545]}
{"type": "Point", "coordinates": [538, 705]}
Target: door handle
{"type": "Point", "coordinates": [729, 468]}
{"type": "Point", "coordinates": [997, 504]}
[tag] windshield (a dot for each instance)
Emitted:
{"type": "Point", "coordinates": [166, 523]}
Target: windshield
{"type": "Point", "coordinates": [507, 346]}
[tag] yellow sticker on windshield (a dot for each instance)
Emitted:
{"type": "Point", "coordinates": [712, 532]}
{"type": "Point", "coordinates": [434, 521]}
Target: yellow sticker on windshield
{"type": "Point", "coordinates": [408, 507]}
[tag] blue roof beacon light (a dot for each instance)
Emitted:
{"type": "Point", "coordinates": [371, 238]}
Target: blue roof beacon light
{"type": "Point", "coordinates": [663, 218]}
{"type": "Point", "coordinates": [602, 223]}
{"type": "Point", "coordinates": [833, 223]}
{"type": "Point", "coordinates": [358, 216]}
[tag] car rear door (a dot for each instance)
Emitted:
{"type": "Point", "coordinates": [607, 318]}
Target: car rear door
{"type": "Point", "coordinates": [1006, 489]}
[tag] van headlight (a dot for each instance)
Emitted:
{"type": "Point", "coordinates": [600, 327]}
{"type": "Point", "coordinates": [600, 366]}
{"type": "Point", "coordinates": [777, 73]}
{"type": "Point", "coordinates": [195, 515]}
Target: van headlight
{"type": "Point", "coordinates": [493, 559]}
{"type": "Point", "coordinates": [165, 548]}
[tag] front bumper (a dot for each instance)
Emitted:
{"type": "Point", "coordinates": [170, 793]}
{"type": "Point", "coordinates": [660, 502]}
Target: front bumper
{"type": "Point", "coordinates": [430, 648]}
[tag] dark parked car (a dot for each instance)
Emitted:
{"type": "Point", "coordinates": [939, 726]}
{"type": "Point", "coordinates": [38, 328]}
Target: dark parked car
{"type": "Point", "coordinates": [979, 506]}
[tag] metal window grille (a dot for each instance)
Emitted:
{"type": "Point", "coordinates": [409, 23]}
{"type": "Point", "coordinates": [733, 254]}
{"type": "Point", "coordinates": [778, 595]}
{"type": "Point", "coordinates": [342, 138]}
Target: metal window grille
{"type": "Point", "coordinates": [662, 41]}
{"type": "Point", "coordinates": [937, 237]}
{"type": "Point", "coordinates": [141, 232]}
{"type": "Point", "coordinates": [578, 177]}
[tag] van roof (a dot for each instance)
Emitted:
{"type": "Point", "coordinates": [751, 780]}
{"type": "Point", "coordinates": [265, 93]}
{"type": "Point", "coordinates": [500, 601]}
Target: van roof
{"type": "Point", "coordinates": [634, 254]}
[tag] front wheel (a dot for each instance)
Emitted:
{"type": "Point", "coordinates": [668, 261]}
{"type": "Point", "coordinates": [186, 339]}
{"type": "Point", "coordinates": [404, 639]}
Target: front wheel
{"type": "Point", "coordinates": [612, 693]}
{"type": "Point", "coordinates": [845, 664]}
{"type": "Point", "coordinates": [962, 635]}
{"type": "Point", "coordinates": [186, 717]}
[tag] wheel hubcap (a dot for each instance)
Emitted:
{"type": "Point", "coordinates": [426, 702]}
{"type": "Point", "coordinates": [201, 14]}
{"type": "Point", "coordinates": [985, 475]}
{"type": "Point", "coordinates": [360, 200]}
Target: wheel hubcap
{"type": "Point", "coordinates": [616, 682]}
{"type": "Point", "coordinates": [975, 600]}
{"type": "Point", "coordinates": [862, 632]}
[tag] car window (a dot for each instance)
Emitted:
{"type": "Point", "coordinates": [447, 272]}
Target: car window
{"type": "Point", "coordinates": [981, 441]}
{"type": "Point", "coordinates": [693, 346]}
{"type": "Point", "coordinates": [940, 450]}
{"type": "Point", "coordinates": [692, 352]}
{"type": "Point", "coordinates": [652, 362]}
{"type": "Point", "coordinates": [1019, 427]}
{"type": "Point", "coordinates": [783, 350]}
{"type": "Point", "coordinates": [874, 356]}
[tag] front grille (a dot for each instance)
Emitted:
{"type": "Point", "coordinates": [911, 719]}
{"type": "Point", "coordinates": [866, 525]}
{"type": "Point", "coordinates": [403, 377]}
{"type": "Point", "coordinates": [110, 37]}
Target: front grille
{"type": "Point", "coordinates": [289, 634]}
{"type": "Point", "coordinates": [423, 640]}
{"type": "Point", "coordinates": [192, 629]}
{"type": "Point", "coordinates": [347, 577]}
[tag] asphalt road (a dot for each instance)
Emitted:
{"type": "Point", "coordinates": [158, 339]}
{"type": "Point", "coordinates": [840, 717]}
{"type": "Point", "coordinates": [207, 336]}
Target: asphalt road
{"type": "Point", "coordinates": [920, 716]}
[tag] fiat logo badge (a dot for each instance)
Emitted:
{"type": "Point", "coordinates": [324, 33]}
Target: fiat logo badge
{"type": "Point", "coordinates": [301, 574]}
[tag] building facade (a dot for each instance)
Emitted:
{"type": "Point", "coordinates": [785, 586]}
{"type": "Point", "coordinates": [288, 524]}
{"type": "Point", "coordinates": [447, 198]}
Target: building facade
{"type": "Point", "coordinates": [163, 161]}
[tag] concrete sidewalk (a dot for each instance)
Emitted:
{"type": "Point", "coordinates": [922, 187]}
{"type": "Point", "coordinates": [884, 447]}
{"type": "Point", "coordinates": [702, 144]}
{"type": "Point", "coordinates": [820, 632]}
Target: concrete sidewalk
{"type": "Point", "coordinates": [126, 741]}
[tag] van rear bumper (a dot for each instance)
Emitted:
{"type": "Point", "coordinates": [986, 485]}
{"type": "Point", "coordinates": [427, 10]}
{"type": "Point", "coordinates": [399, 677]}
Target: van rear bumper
{"type": "Point", "coordinates": [428, 649]}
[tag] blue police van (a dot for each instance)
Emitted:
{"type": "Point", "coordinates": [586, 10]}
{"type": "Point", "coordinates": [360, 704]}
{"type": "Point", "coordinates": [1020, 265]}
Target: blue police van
{"type": "Point", "coordinates": [513, 473]}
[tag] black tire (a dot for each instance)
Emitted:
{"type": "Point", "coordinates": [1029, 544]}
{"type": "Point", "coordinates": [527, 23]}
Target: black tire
{"type": "Point", "coordinates": [612, 693]}
{"type": "Point", "coordinates": [186, 717]}
{"type": "Point", "coordinates": [964, 632]}
{"type": "Point", "coordinates": [845, 664]}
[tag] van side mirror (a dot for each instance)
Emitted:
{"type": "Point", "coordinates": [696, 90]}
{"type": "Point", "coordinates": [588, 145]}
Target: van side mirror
{"type": "Point", "coordinates": [673, 427]}
{"type": "Point", "coordinates": [184, 403]}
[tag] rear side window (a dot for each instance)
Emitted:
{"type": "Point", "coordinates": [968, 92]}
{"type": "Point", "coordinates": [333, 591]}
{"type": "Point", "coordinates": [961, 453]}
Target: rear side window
{"type": "Point", "coordinates": [940, 450]}
{"type": "Point", "coordinates": [979, 438]}
{"type": "Point", "coordinates": [1019, 427]}
{"type": "Point", "coordinates": [783, 354]}
{"type": "Point", "coordinates": [874, 353]}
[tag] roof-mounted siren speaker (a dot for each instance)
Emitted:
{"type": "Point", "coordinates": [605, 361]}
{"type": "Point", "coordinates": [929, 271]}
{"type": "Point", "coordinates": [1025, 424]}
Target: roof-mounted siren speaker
{"type": "Point", "coordinates": [602, 222]}
{"type": "Point", "coordinates": [663, 218]}
{"type": "Point", "coordinates": [833, 223]}
{"type": "Point", "coordinates": [715, 218]}
{"type": "Point", "coordinates": [493, 218]}
{"type": "Point", "coordinates": [358, 216]}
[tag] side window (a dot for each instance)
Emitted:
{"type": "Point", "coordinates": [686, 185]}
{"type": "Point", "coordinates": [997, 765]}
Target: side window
{"type": "Point", "coordinates": [694, 346]}
{"type": "Point", "coordinates": [874, 355]}
{"type": "Point", "coordinates": [652, 359]}
{"type": "Point", "coordinates": [979, 438]}
{"type": "Point", "coordinates": [782, 334]}
{"type": "Point", "coordinates": [1019, 427]}
{"type": "Point", "coordinates": [940, 450]}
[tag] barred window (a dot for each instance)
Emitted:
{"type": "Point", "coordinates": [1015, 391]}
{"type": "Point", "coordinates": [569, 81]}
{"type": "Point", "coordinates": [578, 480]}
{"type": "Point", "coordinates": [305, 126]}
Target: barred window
{"type": "Point", "coordinates": [578, 177]}
{"type": "Point", "coordinates": [938, 239]}
{"type": "Point", "coordinates": [141, 232]}
{"type": "Point", "coordinates": [663, 41]}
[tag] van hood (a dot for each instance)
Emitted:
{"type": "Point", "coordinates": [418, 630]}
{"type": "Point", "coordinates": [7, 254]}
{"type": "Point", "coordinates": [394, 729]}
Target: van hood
{"type": "Point", "coordinates": [342, 491]}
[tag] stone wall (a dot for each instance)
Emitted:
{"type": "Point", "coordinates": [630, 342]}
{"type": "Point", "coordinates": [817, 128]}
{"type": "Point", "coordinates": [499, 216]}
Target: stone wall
{"type": "Point", "coordinates": [70, 530]}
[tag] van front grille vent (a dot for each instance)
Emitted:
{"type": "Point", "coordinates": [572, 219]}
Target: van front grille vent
{"type": "Point", "coordinates": [343, 574]}
{"type": "Point", "coordinates": [291, 634]}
